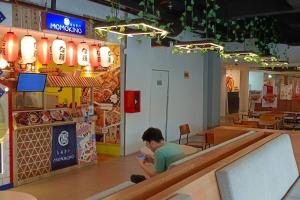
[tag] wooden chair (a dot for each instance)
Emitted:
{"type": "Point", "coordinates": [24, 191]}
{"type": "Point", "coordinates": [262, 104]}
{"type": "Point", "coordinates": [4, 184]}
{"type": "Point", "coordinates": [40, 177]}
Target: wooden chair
{"type": "Point", "coordinates": [185, 130]}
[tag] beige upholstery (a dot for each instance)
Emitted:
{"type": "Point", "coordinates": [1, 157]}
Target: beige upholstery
{"type": "Point", "coordinates": [111, 191]}
{"type": "Point", "coordinates": [264, 174]}
{"type": "Point", "coordinates": [187, 158]}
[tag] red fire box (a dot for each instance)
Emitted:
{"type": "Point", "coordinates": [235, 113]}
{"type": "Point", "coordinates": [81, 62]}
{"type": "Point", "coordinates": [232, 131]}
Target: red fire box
{"type": "Point", "coordinates": [132, 99]}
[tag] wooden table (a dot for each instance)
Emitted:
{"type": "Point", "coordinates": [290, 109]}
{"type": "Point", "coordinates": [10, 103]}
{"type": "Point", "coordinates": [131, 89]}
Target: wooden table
{"type": "Point", "coordinates": [13, 195]}
{"type": "Point", "coordinates": [267, 124]}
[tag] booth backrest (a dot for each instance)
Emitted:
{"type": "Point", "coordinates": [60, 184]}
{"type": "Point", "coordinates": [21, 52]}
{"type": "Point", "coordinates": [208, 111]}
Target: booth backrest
{"type": "Point", "coordinates": [264, 174]}
{"type": "Point", "coordinates": [210, 149]}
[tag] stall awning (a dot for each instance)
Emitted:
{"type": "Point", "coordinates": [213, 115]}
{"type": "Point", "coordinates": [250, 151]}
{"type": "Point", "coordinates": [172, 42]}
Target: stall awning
{"type": "Point", "coordinates": [71, 81]}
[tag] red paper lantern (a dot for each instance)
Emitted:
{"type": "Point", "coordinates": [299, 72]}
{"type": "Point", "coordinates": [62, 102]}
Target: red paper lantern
{"type": "Point", "coordinates": [71, 58]}
{"type": "Point", "coordinates": [11, 47]}
{"type": "Point", "coordinates": [95, 56]}
{"type": "Point", "coordinates": [43, 51]}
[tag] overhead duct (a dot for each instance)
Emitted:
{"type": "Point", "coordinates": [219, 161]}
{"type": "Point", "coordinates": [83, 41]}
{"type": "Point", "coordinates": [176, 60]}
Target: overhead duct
{"type": "Point", "coordinates": [294, 3]}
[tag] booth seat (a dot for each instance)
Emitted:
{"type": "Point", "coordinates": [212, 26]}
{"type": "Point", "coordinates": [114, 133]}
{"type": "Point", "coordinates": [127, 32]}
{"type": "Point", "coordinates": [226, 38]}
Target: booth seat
{"type": "Point", "coordinates": [268, 173]}
{"type": "Point", "coordinates": [181, 169]}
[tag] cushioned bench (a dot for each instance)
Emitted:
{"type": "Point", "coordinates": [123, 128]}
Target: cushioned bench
{"type": "Point", "coordinates": [267, 173]}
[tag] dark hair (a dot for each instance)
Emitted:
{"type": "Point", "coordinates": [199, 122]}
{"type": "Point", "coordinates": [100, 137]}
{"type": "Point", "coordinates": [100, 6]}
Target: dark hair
{"type": "Point", "coordinates": [152, 134]}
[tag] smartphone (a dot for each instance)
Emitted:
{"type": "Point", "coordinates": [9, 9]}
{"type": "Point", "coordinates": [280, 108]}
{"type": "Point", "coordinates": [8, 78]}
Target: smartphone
{"type": "Point", "coordinates": [141, 157]}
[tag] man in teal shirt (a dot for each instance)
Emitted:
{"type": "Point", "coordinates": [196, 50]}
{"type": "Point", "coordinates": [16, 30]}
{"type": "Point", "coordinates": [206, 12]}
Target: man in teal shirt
{"type": "Point", "coordinates": [164, 153]}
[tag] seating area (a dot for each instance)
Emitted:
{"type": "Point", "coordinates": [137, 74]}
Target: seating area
{"type": "Point", "coordinates": [262, 165]}
{"type": "Point", "coordinates": [181, 169]}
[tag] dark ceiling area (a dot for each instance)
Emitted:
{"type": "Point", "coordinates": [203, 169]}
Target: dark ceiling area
{"type": "Point", "coordinates": [287, 13]}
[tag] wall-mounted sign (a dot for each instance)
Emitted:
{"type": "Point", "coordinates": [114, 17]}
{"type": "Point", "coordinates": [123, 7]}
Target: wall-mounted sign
{"type": "Point", "coordinates": [65, 24]}
{"type": "Point", "coordinates": [2, 17]}
{"type": "Point", "coordinates": [64, 146]}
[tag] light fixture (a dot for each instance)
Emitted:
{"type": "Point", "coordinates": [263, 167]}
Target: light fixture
{"type": "Point", "coordinates": [10, 47]}
{"type": "Point", "coordinates": [71, 57]}
{"type": "Point", "coordinates": [105, 57]}
{"type": "Point", "coordinates": [28, 49]}
{"type": "Point", "coordinates": [3, 62]}
{"type": "Point", "coordinates": [268, 58]}
{"type": "Point", "coordinates": [83, 54]}
{"type": "Point", "coordinates": [59, 51]}
{"type": "Point", "coordinates": [199, 45]}
{"type": "Point", "coordinates": [95, 59]}
{"type": "Point", "coordinates": [270, 76]}
{"type": "Point", "coordinates": [135, 27]}
{"type": "Point", "coordinates": [43, 51]}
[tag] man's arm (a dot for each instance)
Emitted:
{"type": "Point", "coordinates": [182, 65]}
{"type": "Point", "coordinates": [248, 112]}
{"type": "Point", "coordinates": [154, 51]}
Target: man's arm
{"type": "Point", "coordinates": [150, 172]}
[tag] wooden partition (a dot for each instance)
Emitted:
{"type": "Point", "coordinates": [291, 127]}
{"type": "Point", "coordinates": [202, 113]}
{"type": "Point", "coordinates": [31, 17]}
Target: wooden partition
{"type": "Point", "coordinates": [223, 133]}
{"type": "Point", "coordinates": [187, 173]}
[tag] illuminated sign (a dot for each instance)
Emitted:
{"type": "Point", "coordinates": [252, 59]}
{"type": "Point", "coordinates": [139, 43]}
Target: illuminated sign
{"type": "Point", "coordinates": [64, 24]}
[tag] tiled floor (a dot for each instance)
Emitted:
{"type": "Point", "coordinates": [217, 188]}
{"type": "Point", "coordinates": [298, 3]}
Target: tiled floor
{"type": "Point", "coordinates": [82, 183]}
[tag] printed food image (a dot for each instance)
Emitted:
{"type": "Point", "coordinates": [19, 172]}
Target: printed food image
{"type": "Point", "coordinates": [22, 118]}
{"type": "Point", "coordinates": [100, 117]}
{"type": "Point", "coordinates": [34, 118]}
{"type": "Point", "coordinates": [113, 135]}
{"type": "Point", "coordinates": [56, 115]}
{"type": "Point", "coordinates": [66, 115]}
{"type": "Point", "coordinates": [112, 117]}
{"type": "Point", "coordinates": [46, 117]}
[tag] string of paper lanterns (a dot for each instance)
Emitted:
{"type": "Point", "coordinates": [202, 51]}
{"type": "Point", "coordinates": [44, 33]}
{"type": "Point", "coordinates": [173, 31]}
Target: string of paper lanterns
{"type": "Point", "coordinates": [61, 52]}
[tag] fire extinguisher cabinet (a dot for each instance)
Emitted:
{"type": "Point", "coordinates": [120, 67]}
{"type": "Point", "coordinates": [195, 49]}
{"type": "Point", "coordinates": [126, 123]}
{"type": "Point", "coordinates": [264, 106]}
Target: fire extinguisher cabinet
{"type": "Point", "coordinates": [132, 99]}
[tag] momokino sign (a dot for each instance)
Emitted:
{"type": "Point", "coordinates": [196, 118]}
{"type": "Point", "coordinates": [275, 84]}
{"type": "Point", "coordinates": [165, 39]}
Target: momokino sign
{"type": "Point", "coordinates": [64, 24]}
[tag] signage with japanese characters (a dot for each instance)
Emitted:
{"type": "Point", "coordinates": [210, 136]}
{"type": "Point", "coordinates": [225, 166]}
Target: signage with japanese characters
{"type": "Point", "coordinates": [64, 146]}
{"type": "Point", "coordinates": [65, 24]}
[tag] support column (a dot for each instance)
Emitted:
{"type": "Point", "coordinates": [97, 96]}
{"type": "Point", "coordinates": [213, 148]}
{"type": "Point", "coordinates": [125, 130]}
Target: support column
{"type": "Point", "coordinates": [244, 90]}
{"type": "Point", "coordinates": [211, 90]}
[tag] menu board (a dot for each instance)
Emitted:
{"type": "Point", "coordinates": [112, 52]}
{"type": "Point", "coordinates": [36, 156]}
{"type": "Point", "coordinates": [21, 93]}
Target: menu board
{"type": "Point", "coordinates": [31, 118]}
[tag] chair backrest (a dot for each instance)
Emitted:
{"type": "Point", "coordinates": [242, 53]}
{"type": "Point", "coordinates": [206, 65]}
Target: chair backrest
{"type": "Point", "coordinates": [184, 129]}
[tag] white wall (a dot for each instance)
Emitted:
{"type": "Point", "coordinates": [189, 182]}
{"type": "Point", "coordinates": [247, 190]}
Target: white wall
{"type": "Point", "coordinates": [256, 80]}
{"type": "Point", "coordinates": [185, 96]}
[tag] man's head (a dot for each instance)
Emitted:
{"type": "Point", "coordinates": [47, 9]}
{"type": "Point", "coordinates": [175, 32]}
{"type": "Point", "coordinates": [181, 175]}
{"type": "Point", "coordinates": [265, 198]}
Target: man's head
{"type": "Point", "coordinates": [153, 138]}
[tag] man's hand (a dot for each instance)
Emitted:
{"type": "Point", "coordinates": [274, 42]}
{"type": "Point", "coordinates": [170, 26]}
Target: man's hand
{"type": "Point", "coordinates": [149, 159]}
{"type": "Point", "coordinates": [141, 162]}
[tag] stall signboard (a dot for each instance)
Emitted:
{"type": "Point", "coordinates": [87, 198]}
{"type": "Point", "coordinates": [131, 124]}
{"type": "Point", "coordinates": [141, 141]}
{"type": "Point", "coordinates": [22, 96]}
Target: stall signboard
{"type": "Point", "coordinates": [86, 143]}
{"type": "Point", "coordinates": [65, 24]}
{"type": "Point", "coordinates": [2, 17]}
{"type": "Point", "coordinates": [63, 146]}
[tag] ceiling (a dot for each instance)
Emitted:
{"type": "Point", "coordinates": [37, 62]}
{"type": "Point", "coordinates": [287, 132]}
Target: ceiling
{"type": "Point", "coordinates": [287, 12]}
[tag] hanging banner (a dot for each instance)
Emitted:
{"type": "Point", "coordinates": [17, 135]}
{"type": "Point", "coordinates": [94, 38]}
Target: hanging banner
{"type": "Point", "coordinates": [62, 23]}
{"type": "Point", "coordinates": [63, 146]}
{"type": "Point", "coordinates": [86, 143]}
{"type": "Point", "coordinates": [286, 92]}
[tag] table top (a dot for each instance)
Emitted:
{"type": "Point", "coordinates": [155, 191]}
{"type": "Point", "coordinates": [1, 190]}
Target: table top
{"type": "Point", "coordinates": [13, 195]}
